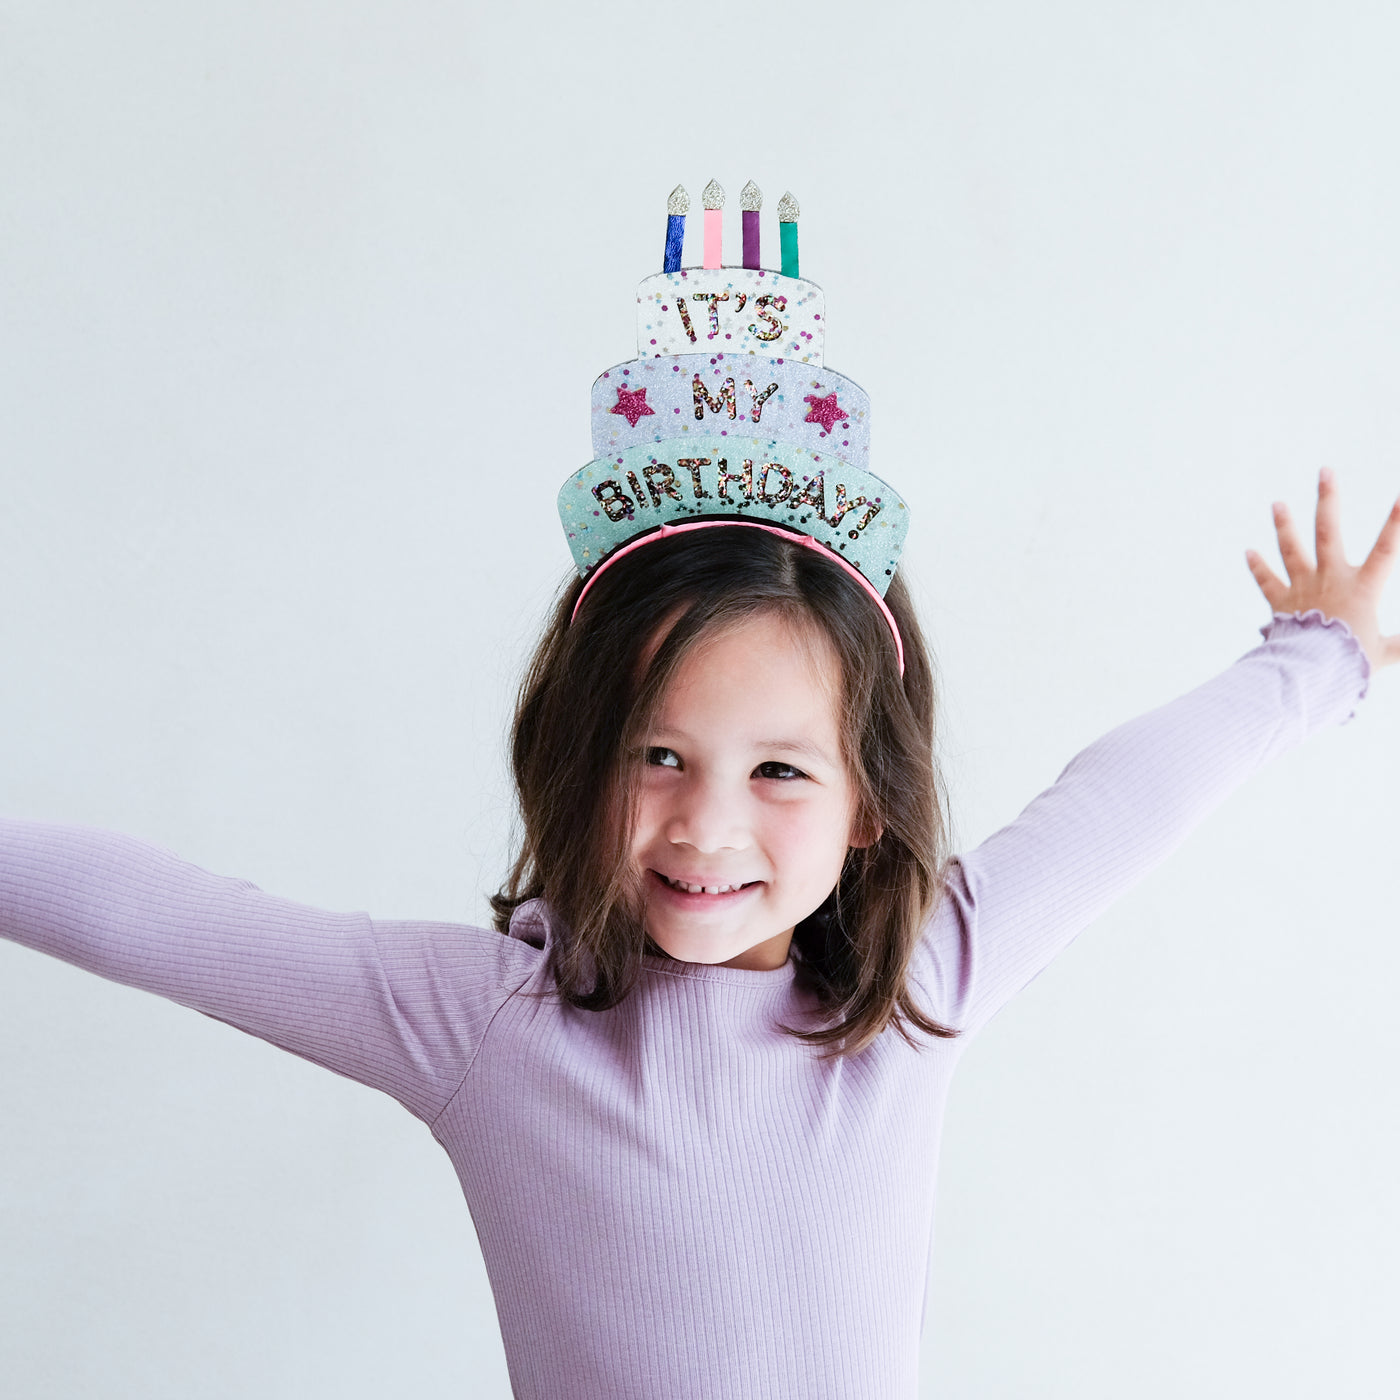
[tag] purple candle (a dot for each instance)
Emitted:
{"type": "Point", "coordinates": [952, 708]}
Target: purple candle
{"type": "Point", "coordinates": [750, 202]}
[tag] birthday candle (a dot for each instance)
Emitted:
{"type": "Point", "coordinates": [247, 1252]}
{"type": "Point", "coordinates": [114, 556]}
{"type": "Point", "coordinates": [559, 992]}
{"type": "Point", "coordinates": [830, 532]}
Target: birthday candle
{"type": "Point", "coordinates": [787, 233]}
{"type": "Point", "coordinates": [714, 224]}
{"type": "Point", "coordinates": [751, 201]}
{"type": "Point", "coordinates": [677, 207]}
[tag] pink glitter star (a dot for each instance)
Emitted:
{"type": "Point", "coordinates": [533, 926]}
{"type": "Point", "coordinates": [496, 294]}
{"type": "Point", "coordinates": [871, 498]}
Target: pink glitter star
{"type": "Point", "coordinates": [632, 405]}
{"type": "Point", "coordinates": [824, 411]}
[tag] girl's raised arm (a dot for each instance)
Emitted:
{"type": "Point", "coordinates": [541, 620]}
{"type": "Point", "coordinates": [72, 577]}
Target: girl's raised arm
{"type": "Point", "coordinates": [399, 1006]}
{"type": "Point", "coordinates": [1127, 801]}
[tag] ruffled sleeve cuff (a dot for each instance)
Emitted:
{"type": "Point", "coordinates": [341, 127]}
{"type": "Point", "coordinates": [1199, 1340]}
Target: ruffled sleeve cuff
{"type": "Point", "coordinates": [1316, 623]}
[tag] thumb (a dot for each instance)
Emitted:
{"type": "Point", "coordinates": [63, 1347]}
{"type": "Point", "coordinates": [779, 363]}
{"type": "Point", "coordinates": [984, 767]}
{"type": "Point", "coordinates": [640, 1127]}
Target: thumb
{"type": "Point", "coordinates": [1270, 585]}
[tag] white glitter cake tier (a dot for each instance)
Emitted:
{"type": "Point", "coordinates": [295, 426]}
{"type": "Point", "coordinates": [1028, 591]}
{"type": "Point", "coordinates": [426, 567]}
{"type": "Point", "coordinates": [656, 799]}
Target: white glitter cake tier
{"type": "Point", "coordinates": [676, 396]}
{"type": "Point", "coordinates": [739, 310]}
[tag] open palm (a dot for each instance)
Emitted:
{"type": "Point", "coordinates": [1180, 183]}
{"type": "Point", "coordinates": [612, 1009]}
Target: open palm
{"type": "Point", "coordinates": [1334, 587]}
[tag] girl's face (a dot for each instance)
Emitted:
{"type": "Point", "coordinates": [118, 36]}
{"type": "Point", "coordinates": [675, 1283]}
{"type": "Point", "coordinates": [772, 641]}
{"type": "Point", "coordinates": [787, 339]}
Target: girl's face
{"type": "Point", "coordinates": [746, 804]}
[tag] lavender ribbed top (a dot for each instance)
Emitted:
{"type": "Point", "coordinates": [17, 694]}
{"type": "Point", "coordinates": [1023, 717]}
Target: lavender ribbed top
{"type": "Point", "coordinates": [674, 1200]}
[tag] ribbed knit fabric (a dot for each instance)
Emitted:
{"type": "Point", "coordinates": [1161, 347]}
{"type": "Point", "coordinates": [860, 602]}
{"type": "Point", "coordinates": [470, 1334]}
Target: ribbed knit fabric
{"type": "Point", "coordinates": [675, 1201]}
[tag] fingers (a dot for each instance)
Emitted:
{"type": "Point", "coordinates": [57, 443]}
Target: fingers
{"type": "Point", "coordinates": [1343, 591]}
{"type": "Point", "coordinates": [1328, 533]}
{"type": "Point", "coordinates": [1379, 562]}
{"type": "Point", "coordinates": [1294, 560]}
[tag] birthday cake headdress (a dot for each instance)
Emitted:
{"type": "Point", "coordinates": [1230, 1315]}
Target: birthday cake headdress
{"type": "Point", "coordinates": [728, 416]}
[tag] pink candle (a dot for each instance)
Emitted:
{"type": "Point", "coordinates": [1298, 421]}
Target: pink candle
{"type": "Point", "coordinates": [714, 224]}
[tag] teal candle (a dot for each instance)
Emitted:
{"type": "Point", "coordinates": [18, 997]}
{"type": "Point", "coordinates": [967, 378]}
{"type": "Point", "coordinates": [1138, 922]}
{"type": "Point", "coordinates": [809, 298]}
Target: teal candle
{"type": "Point", "coordinates": [787, 238]}
{"type": "Point", "coordinates": [787, 233]}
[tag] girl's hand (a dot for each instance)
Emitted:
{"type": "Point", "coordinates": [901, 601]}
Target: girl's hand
{"type": "Point", "coordinates": [1334, 586]}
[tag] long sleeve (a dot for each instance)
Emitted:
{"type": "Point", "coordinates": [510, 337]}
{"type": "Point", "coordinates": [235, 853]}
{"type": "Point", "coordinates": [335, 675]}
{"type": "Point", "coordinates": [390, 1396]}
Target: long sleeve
{"type": "Point", "coordinates": [1121, 807]}
{"type": "Point", "coordinates": [400, 1006]}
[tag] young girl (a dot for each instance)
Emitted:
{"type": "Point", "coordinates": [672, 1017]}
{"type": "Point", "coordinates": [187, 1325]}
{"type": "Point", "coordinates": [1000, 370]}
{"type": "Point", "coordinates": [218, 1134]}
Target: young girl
{"type": "Point", "coordinates": [692, 1083]}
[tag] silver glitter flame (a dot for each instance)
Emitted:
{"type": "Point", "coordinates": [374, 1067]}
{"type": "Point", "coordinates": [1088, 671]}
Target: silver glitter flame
{"type": "Point", "coordinates": [678, 202]}
{"type": "Point", "coordinates": [751, 197]}
{"type": "Point", "coordinates": [787, 209]}
{"type": "Point", "coordinates": [714, 195]}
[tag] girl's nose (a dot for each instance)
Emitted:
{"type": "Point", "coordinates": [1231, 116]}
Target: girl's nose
{"type": "Point", "coordinates": [707, 816]}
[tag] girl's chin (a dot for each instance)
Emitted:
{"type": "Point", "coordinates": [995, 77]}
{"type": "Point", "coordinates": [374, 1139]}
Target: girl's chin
{"type": "Point", "coordinates": [723, 949]}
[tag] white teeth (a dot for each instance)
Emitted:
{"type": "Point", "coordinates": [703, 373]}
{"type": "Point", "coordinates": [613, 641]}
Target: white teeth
{"type": "Point", "coordinates": [700, 889]}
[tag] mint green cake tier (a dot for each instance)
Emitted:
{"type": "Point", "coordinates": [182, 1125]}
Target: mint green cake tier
{"type": "Point", "coordinates": [618, 497]}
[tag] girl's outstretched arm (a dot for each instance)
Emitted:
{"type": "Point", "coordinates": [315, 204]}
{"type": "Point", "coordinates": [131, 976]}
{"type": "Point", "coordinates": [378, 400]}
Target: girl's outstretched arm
{"type": "Point", "coordinates": [400, 1006]}
{"type": "Point", "coordinates": [1127, 801]}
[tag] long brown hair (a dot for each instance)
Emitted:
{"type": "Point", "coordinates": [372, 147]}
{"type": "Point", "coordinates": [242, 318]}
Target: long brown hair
{"type": "Point", "coordinates": [591, 683]}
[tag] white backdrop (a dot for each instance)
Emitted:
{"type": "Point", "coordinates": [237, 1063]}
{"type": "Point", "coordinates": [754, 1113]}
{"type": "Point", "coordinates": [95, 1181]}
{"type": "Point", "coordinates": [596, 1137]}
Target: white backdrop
{"type": "Point", "coordinates": [292, 294]}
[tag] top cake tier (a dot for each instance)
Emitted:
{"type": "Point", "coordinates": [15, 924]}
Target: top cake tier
{"type": "Point", "coordinates": [736, 310]}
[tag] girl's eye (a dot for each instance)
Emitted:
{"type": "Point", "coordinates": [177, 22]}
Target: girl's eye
{"type": "Point", "coordinates": [784, 772]}
{"type": "Point", "coordinates": [663, 758]}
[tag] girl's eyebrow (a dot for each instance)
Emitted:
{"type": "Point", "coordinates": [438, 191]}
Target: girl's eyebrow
{"type": "Point", "coordinates": [798, 746]}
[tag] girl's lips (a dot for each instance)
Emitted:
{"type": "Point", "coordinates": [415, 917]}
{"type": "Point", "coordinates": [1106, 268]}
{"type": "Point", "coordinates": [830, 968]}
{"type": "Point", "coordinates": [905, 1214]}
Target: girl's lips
{"type": "Point", "coordinates": [685, 900]}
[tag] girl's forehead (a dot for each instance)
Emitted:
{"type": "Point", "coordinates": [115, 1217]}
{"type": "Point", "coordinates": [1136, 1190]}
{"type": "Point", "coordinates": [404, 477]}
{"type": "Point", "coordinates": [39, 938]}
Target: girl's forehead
{"type": "Point", "coordinates": [765, 660]}
{"type": "Point", "coordinates": [761, 633]}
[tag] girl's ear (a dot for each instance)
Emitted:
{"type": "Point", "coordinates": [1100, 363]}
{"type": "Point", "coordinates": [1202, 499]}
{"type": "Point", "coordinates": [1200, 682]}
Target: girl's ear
{"type": "Point", "coordinates": [863, 835]}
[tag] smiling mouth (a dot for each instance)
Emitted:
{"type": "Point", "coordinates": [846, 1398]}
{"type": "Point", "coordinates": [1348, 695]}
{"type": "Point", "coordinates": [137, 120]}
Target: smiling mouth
{"type": "Point", "coordinates": [682, 887]}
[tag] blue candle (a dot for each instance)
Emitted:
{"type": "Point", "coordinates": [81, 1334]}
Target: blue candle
{"type": "Point", "coordinates": [677, 207]}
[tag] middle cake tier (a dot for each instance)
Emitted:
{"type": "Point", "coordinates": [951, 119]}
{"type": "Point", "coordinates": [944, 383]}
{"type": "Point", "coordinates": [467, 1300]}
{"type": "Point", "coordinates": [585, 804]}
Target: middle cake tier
{"type": "Point", "coordinates": [667, 397]}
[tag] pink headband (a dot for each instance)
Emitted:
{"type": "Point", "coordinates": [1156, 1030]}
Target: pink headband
{"type": "Point", "coordinates": [667, 530]}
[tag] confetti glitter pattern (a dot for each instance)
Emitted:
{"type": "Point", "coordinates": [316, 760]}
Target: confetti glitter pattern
{"type": "Point", "coordinates": [759, 399]}
{"type": "Point", "coordinates": [683, 311]}
{"type": "Point", "coordinates": [739, 310]}
{"type": "Point", "coordinates": [713, 196]}
{"type": "Point", "coordinates": [743, 477]}
{"type": "Point", "coordinates": [841, 506]}
{"type": "Point", "coordinates": [616, 503]}
{"type": "Point", "coordinates": [773, 327]}
{"type": "Point", "coordinates": [714, 299]}
{"type": "Point", "coordinates": [770, 496]}
{"type": "Point", "coordinates": [721, 403]}
{"type": "Point", "coordinates": [634, 490]}
{"type": "Point", "coordinates": [813, 493]}
{"type": "Point", "coordinates": [693, 465]}
{"type": "Point", "coordinates": [678, 202]}
{"type": "Point", "coordinates": [646, 401]}
{"type": "Point", "coordinates": [661, 479]}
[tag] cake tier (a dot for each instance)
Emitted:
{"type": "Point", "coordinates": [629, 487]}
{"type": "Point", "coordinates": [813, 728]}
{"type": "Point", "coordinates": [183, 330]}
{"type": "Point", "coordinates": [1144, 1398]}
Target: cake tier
{"type": "Point", "coordinates": [681, 396]}
{"type": "Point", "coordinates": [614, 499]}
{"type": "Point", "coordinates": [739, 310]}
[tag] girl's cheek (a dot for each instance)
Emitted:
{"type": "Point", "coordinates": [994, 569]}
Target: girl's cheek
{"type": "Point", "coordinates": [807, 823]}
